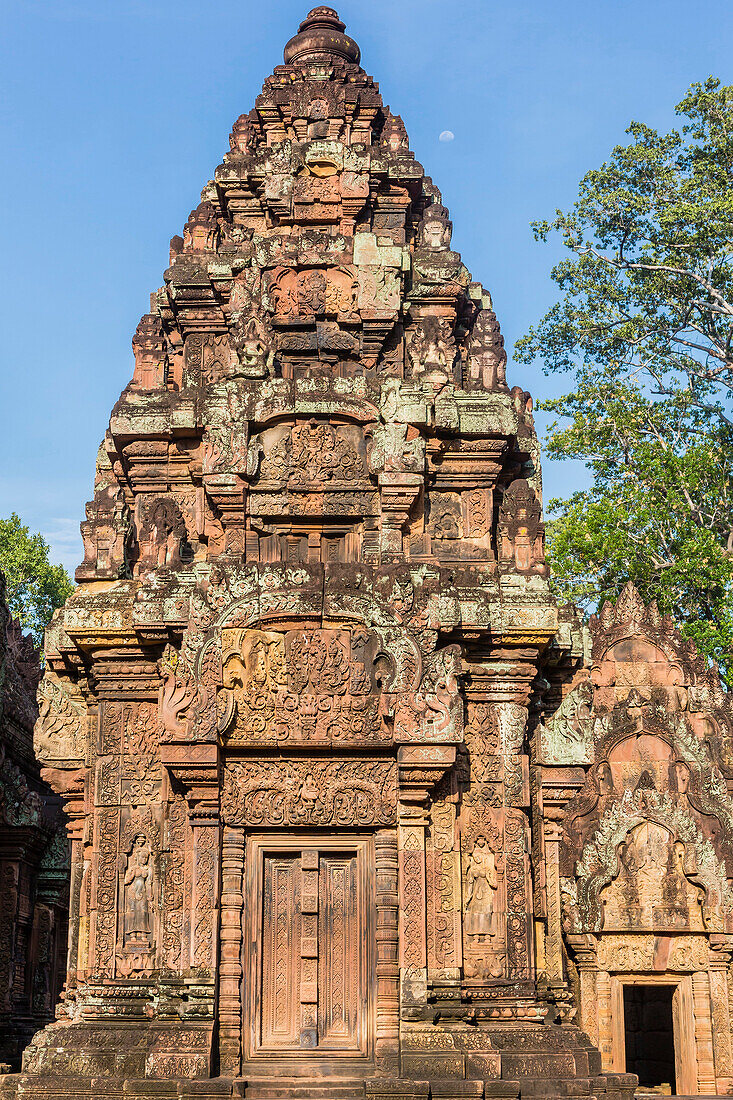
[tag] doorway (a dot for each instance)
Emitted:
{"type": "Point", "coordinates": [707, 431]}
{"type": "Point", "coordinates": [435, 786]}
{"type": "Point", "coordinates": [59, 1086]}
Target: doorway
{"type": "Point", "coordinates": [649, 1035]}
{"type": "Point", "coordinates": [310, 981]}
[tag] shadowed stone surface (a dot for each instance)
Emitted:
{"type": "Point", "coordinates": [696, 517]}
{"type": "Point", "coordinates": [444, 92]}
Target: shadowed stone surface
{"type": "Point", "coordinates": [348, 809]}
{"type": "Point", "coordinates": [34, 854]}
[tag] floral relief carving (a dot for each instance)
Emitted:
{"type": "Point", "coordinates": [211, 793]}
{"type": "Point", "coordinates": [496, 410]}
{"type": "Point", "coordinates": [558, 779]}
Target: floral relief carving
{"type": "Point", "coordinates": [348, 793]}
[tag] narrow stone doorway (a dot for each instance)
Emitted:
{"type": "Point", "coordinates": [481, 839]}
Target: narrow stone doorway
{"type": "Point", "coordinates": [649, 1036]}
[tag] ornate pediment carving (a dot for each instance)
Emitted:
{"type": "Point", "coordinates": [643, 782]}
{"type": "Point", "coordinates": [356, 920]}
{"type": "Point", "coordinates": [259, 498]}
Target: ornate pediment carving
{"type": "Point", "coordinates": [309, 686]}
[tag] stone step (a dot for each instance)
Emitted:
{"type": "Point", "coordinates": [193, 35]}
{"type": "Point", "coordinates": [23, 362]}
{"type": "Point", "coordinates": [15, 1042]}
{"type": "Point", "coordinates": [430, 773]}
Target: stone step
{"type": "Point", "coordinates": [544, 1087]}
{"type": "Point", "coordinates": [317, 1092]}
{"type": "Point", "coordinates": [301, 1088]}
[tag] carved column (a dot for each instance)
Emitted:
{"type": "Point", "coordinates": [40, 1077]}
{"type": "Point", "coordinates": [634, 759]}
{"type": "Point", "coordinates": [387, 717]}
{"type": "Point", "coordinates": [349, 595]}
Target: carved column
{"type": "Point", "coordinates": [512, 718]}
{"type": "Point", "coordinates": [8, 914]}
{"type": "Point", "coordinates": [76, 955]}
{"type": "Point", "coordinates": [605, 1017]}
{"type": "Point", "coordinates": [197, 768]}
{"type": "Point", "coordinates": [230, 967]}
{"type": "Point", "coordinates": [444, 891]}
{"type": "Point", "coordinates": [388, 963]}
{"type": "Point", "coordinates": [719, 972]}
{"type": "Point", "coordinates": [103, 914]}
{"type": "Point", "coordinates": [584, 949]}
{"type": "Point", "coordinates": [553, 940]}
{"type": "Point", "coordinates": [703, 1033]}
{"type": "Point", "coordinates": [557, 786]}
{"type": "Point", "coordinates": [205, 916]}
{"type": "Point", "coordinates": [420, 768]}
{"type": "Point", "coordinates": [494, 813]}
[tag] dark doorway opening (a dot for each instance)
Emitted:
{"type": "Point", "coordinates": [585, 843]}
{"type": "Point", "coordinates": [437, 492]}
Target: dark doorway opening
{"type": "Point", "coordinates": [649, 1034]}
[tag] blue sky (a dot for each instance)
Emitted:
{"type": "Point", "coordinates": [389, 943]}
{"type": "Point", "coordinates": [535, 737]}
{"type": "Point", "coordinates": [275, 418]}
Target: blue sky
{"type": "Point", "coordinates": [114, 113]}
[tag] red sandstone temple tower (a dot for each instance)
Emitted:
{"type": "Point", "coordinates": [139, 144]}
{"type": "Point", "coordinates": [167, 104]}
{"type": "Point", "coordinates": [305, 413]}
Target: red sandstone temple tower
{"type": "Point", "coordinates": [332, 835]}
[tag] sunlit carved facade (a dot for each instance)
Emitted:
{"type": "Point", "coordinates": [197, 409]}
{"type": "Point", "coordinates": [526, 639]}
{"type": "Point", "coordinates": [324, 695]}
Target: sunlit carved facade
{"type": "Point", "coordinates": [330, 829]}
{"type": "Point", "coordinates": [636, 781]}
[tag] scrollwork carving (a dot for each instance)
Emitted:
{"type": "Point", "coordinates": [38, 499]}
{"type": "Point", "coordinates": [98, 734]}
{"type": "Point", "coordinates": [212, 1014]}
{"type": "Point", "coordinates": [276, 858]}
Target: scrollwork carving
{"type": "Point", "coordinates": [349, 793]}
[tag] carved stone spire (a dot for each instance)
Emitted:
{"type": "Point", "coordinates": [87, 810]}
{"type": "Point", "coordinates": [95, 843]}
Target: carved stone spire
{"type": "Point", "coordinates": [310, 629]}
{"type": "Point", "coordinates": [321, 35]}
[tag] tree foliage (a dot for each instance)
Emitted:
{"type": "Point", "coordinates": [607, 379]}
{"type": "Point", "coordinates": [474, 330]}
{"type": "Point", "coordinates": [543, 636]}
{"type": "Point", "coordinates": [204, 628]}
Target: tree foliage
{"type": "Point", "coordinates": [35, 587]}
{"type": "Point", "coordinates": [645, 329]}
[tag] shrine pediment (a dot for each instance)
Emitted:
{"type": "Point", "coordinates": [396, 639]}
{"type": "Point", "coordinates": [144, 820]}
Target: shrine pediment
{"type": "Point", "coordinates": [314, 687]}
{"type": "Point", "coordinates": [311, 453]}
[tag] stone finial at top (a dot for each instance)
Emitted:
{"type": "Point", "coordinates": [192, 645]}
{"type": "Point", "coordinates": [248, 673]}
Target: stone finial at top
{"type": "Point", "coordinates": [320, 35]}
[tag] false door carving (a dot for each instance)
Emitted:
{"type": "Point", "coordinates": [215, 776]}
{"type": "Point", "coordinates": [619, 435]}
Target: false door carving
{"type": "Point", "coordinates": [309, 944]}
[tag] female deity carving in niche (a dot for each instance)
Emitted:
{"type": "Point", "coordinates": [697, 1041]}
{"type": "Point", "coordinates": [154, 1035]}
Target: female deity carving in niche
{"type": "Point", "coordinates": [138, 895]}
{"type": "Point", "coordinates": [481, 885]}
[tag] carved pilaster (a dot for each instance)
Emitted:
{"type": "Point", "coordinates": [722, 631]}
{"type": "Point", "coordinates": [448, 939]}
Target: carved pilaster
{"type": "Point", "coordinates": [420, 768]}
{"type": "Point", "coordinates": [703, 1033]}
{"type": "Point", "coordinates": [388, 962]}
{"type": "Point", "coordinates": [103, 915]}
{"type": "Point", "coordinates": [205, 908]}
{"type": "Point", "coordinates": [604, 1011]}
{"type": "Point", "coordinates": [584, 949]}
{"type": "Point", "coordinates": [553, 939]}
{"type": "Point", "coordinates": [230, 966]}
{"type": "Point", "coordinates": [719, 974]}
{"type": "Point", "coordinates": [444, 891]}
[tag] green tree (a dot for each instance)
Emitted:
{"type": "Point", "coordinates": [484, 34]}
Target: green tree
{"type": "Point", "coordinates": [645, 329]}
{"type": "Point", "coordinates": [35, 587]}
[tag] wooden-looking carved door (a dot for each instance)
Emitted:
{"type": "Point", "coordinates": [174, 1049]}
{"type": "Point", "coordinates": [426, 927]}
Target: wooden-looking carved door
{"type": "Point", "coordinates": [310, 929]}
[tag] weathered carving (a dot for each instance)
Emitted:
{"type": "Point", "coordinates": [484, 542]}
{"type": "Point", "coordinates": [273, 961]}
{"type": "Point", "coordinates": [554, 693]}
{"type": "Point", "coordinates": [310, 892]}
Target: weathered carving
{"type": "Point", "coordinates": [645, 854]}
{"type": "Point", "coordinates": [311, 686]}
{"type": "Point", "coordinates": [312, 452]}
{"type": "Point", "coordinates": [200, 231]}
{"type": "Point", "coordinates": [34, 854]}
{"type": "Point", "coordinates": [521, 530]}
{"type": "Point", "coordinates": [59, 733]}
{"type": "Point", "coordinates": [312, 293]}
{"type": "Point", "coordinates": [342, 793]}
{"type": "Point", "coordinates": [162, 536]}
{"type": "Point", "coordinates": [138, 897]}
{"type": "Point", "coordinates": [431, 349]}
{"type": "Point", "coordinates": [178, 694]}
{"type": "Point", "coordinates": [481, 885]}
{"type": "Point", "coordinates": [486, 355]}
{"type": "Point", "coordinates": [250, 341]}
{"type": "Point", "coordinates": [436, 229]}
